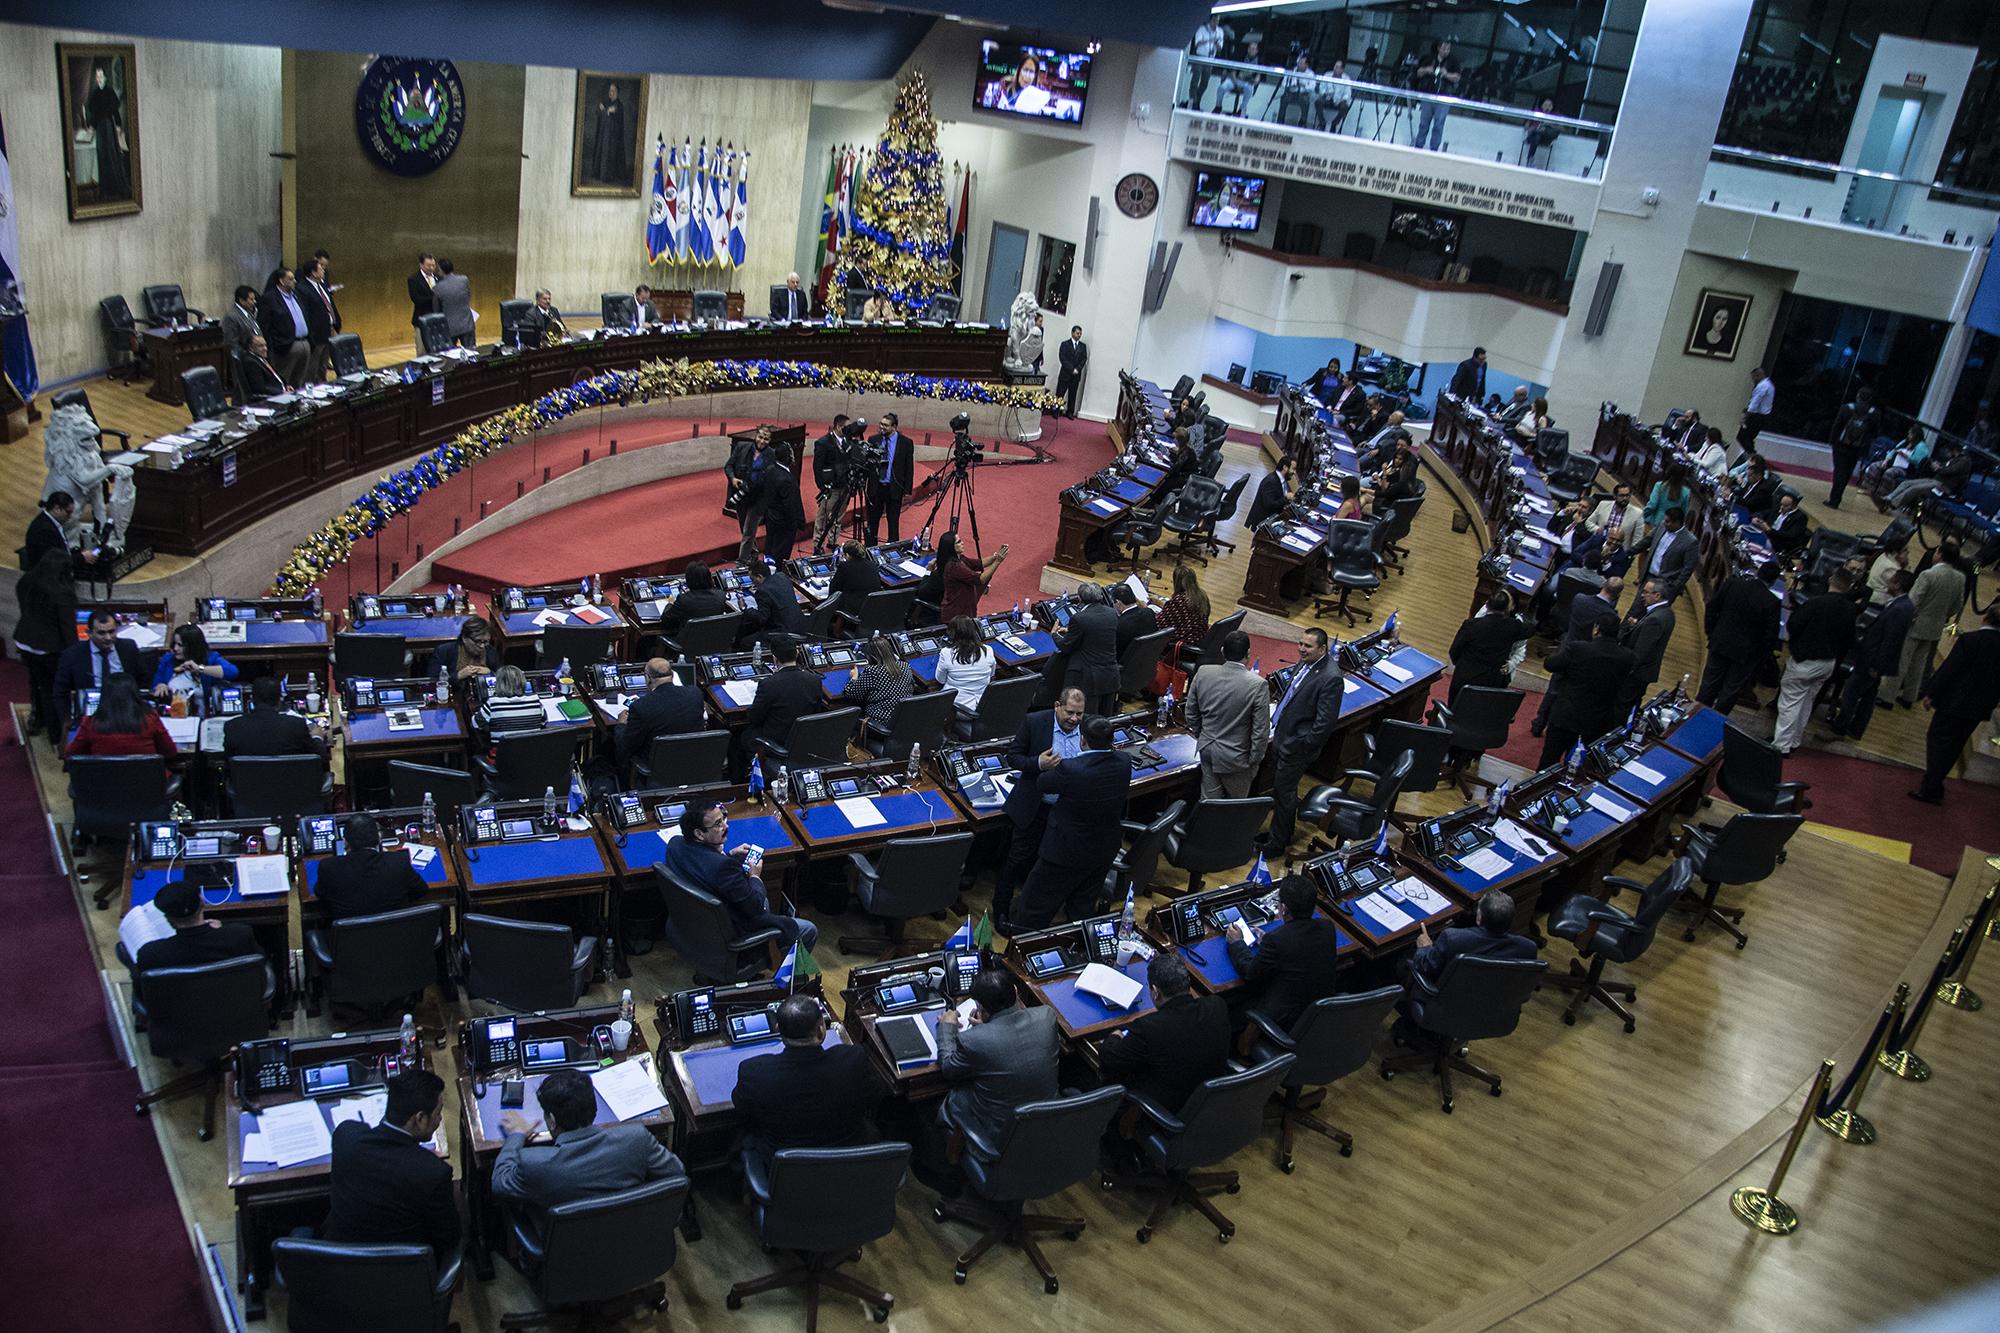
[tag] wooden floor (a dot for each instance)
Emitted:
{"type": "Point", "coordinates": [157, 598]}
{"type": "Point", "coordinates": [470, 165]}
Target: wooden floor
{"type": "Point", "coordinates": [1588, 1196]}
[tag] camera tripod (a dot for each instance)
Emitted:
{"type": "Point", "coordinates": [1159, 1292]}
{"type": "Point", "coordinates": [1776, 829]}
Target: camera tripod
{"type": "Point", "coordinates": [954, 497]}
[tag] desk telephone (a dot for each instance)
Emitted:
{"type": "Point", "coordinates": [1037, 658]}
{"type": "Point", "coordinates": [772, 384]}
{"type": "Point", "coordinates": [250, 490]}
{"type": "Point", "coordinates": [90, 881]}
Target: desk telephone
{"type": "Point", "coordinates": [1100, 945]}
{"type": "Point", "coordinates": [164, 842]}
{"type": "Point", "coordinates": [630, 809]}
{"type": "Point", "coordinates": [494, 1045]}
{"type": "Point", "coordinates": [1359, 875]}
{"type": "Point", "coordinates": [1557, 806]}
{"type": "Point", "coordinates": [322, 836]}
{"type": "Point", "coordinates": [927, 988]}
{"type": "Point", "coordinates": [229, 701]}
{"type": "Point", "coordinates": [1613, 752]}
{"type": "Point", "coordinates": [963, 766]}
{"type": "Point", "coordinates": [264, 1066]}
{"type": "Point", "coordinates": [1446, 848]}
{"type": "Point", "coordinates": [695, 1016]}
{"type": "Point", "coordinates": [484, 824]}
{"type": "Point", "coordinates": [827, 656]}
{"type": "Point", "coordinates": [611, 676]}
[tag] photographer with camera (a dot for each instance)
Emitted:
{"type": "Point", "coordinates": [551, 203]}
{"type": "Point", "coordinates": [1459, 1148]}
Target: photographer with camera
{"type": "Point", "coordinates": [830, 469]}
{"type": "Point", "coordinates": [965, 579]}
{"type": "Point", "coordinates": [891, 473]}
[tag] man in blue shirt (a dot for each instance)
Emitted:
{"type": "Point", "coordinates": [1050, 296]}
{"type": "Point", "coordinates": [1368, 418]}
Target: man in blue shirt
{"type": "Point", "coordinates": [697, 857]}
{"type": "Point", "coordinates": [286, 332]}
{"type": "Point", "coordinates": [891, 481]}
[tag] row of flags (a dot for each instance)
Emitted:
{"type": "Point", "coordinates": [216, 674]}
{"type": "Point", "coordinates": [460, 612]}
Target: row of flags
{"type": "Point", "coordinates": [17, 354]}
{"type": "Point", "coordinates": [836, 217]}
{"type": "Point", "coordinates": [700, 205]}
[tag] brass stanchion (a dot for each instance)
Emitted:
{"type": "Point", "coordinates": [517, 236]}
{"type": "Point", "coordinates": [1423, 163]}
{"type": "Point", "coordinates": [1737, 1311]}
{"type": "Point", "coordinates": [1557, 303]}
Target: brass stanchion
{"type": "Point", "coordinates": [1905, 1063]}
{"type": "Point", "coordinates": [1848, 1124]}
{"type": "Point", "coordinates": [1955, 991]}
{"type": "Point", "coordinates": [1762, 1208]}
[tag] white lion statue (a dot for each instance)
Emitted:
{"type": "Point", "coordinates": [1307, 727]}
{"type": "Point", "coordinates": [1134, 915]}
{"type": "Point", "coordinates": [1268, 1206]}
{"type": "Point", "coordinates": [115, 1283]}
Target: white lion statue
{"type": "Point", "coordinates": [76, 464]}
{"type": "Point", "coordinates": [1024, 336]}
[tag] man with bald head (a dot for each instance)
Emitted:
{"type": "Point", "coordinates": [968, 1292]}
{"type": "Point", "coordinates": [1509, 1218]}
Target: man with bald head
{"type": "Point", "coordinates": [668, 708]}
{"type": "Point", "coordinates": [790, 301]}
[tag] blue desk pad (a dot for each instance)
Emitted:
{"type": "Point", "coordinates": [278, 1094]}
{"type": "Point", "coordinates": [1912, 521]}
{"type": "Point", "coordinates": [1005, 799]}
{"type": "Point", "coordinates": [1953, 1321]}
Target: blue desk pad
{"type": "Point", "coordinates": [1081, 1011]}
{"type": "Point", "coordinates": [373, 728]}
{"type": "Point", "coordinates": [834, 681]}
{"type": "Point", "coordinates": [904, 810]}
{"type": "Point", "coordinates": [1132, 490]}
{"type": "Point", "coordinates": [531, 1106]}
{"type": "Point", "coordinates": [644, 848]}
{"type": "Point", "coordinates": [1148, 475]}
{"type": "Point", "coordinates": [412, 627]}
{"type": "Point", "coordinates": [895, 576]}
{"type": "Point", "coordinates": [1670, 766]}
{"type": "Point", "coordinates": [523, 622]}
{"type": "Point", "coordinates": [271, 632]}
{"type": "Point", "coordinates": [510, 862]}
{"type": "Point", "coordinates": [1209, 959]}
{"type": "Point", "coordinates": [146, 883]}
{"type": "Point", "coordinates": [432, 873]}
{"type": "Point", "coordinates": [1526, 578]}
{"type": "Point", "coordinates": [1357, 693]}
{"type": "Point", "coordinates": [1593, 823]}
{"type": "Point", "coordinates": [1375, 931]}
{"type": "Point", "coordinates": [1040, 643]}
{"type": "Point", "coordinates": [1700, 736]}
{"type": "Point", "coordinates": [1176, 751]}
{"type": "Point", "coordinates": [1413, 660]}
{"type": "Point", "coordinates": [1465, 881]}
{"type": "Point", "coordinates": [713, 1071]}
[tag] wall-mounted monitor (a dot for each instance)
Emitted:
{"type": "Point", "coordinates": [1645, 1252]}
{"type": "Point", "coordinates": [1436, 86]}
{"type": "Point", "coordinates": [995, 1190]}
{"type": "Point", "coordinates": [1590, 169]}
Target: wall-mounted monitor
{"type": "Point", "coordinates": [1037, 81]}
{"type": "Point", "coordinates": [1224, 202]}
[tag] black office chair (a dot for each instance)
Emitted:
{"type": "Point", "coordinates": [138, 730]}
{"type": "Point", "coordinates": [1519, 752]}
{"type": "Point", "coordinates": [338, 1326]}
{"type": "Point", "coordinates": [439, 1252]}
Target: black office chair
{"type": "Point", "coordinates": [1231, 499]}
{"type": "Point", "coordinates": [578, 645]}
{"type": "Point", "coordinates": [1572, 583]}
{"type": "Point", "coordinates": [910, 877]}
{"type": "Point", "coordinates": [857, 298]}
{"type": "Point", "coordinates": [598, 1259]}
{"type": "Point", "coordinates": [370, 656]}
{"type": "Point", "coordinates": [884, 612]}
{"type": "Point", "coordinates": [1140, 660]}
{"type": "Point", "coordinates": [513, 315]}
{"type": "Point", "coordinates": [1576, 474]}
{"type": "Point", "coordinates": [1752, 774]}
{"type": "Point", "coordinates": [710, 304]}
{"type": "Point", "coordinates": [922, 719]}
{"type": "Point", "coordinates": [1348, 818]}
{"type": "Point", "coordinates": [619, 310]}
{"type": "Point", "coordinates": [1193, 509]}
{"type": "Point", "coordinates": [433, 334]}
{"type": "Point", "coordinates": [1217, 835]}
{"type": "Point", "coordinates": [816, 738]}
{"type": "Point", "coordinates": [1478, 720]}
{"type": "Point", "coordinates": [819, 619]}
{"type": "Point", "coordinates": [699, 929]}
{"type": "Point", "coordinates": [707, 634]}
{"type": "Point", "coordinates": [376, 961]}
{"type": "Point", "coordinates": [1605, 933]}
{"type": "Point", "coordinates": [165, 304]}
{"type": "Point", "coordinates": [1182, 388]}
{"type": "Point", "coordinates": [1137, 864]}
{"type": "Point", "coordinates": [1426, 746]}
{"type": "Point", "coordinates": [823, 1204]}
{"type": "Point", "coordinates": [1210, 649]}
{"type": "Point", "coordinates": [1049, 1146]}
{"type": "Point", "coordinates": [1137, 531]}
{"type": "Point", "coordinates": [201, 1014]}
{"type": "Point", "coordinates": [201, 390]}
{"type": "Point", "coordinates": [1396, 525]}
{"type": "Point", "coordinates": [685, 760]}
{"type": "Point", "coordinates": [1331, 1039]}
{"type": "Point", "coordinates": [946, 307]}
{"type": "Point", "coordinates": [1001, 708]}
{"type": "Point", "coordinates": [79, 398]}
{"type": "Point", "coordinates": [1550, 449]}
{"type": "Point", "coordinates": [524, 965]}
{"type": "Point", "coordinates": [109, 794]}
{"type": "Point", "coordinates": [1352, 563]}
{"type": "Point", "coordinates": [334, 1287]}
{"type": "Point", "coordinates": [281, 787]}
{"type": "Point", "coordinates": [1472, 998]}
{"type": "Point", "coordinates": [527, 763]}
{"type": "Point", "coordinates": [1745, 850]}
{"type": "Point", "coordinates": [451, 788]}
{"type": "Point", "coordinates": [1222, 1116]}
{"type": "Point", "coordinates": [124, 349]}
{"type": "Point", "coordinates": [347, 355]}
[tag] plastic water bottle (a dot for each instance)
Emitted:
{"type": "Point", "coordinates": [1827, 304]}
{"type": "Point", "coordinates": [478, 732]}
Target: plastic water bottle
{"type": "Point", "coordinates": [406, 1045]}
{"type": "Point", "coordinates": [312, 693]}
{"type": "Point", "coordinates": [781, 787]}
{"type": "Point", "coordinates": [597, 590]}
{"type": "Point", "coordinates": [442, 693]}
{"type": "Point", "coordinates": [626, 1010]}
{"type": "Point", "coordinates": [1125, 916]}
{"type": "Point", "coordinates": [757, 654]}
{"type": "Point", "coordinates": [916, 758]}
{"type": "Point", "coordinates": [549, 806]}
{"type": "Point", "coordinates": [430, 823]}
{"type": "Point", "coordinates": [924, 542]}
{"type": "Point", "coordinates": [1164, 714]}
{"type": "Point", "coordinates": [1496, 798]}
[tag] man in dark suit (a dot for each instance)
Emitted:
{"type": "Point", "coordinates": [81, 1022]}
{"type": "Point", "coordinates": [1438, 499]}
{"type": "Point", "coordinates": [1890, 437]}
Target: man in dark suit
{"type": "Point", "coordinates": [783, 697]}
{"type": "Point", "coordinates": [1004, 1059]}
{"type": "Point", "coordinates": [364, 879]}
{"type": "Point", "coordinates": [1291, 964]}
{"type": "Point", "coordinates": [1670, 558]}
{"type": "Point", "coordinates": [855, 576]}
{"type": "Point", "coordinates": [1308, 705]}
{"type": "Point", "coordinates": [888, 485]}
{"type": "Point", "coordinates": [1089, 649]}
{"type": "Point", "coordinates": [790, 301]}
{"type": "Point", "coordinates": [1961, 694]}
{"type": "Point", "coordinates": [1787, 527]}
{"type": "Point", "coordinates": [1274, 492]}
{"type": "Point", "coordinates": [1045, 739]}
{"type": "Point", "coordinates": [388, 1187]}
{"type": "Point", "coordinates": [1469, 380]}
{"type": "Point", "coordinates": [1484, 646]}
{"type": "Point", "coordinates": [281, 318]}
{"type": "Point", "coordinates": [1759, 496]}
{"type": "Point", "coordinates": [1880, 655]}
{"type": "Point", "coordinates": [422, 301]}
{"type": "Point", "coordinates": [1166, 1054]}
{"type": "Point", "coordinates": [778, 614]}
{"type": "Point", "coordinates": [697, 858]}
{"type": "Point", "coordinates": [1083, 833]}
{"type": "Point", "coordinates": [1742, 624]}
{"type": "Point", "coordinates": [1646, 632]}
{"type": "Point", "coordinates": [808, 1095]}
{"type": "Point", "coordinates": [87, 665]}
{"type": "Point", "coordinates": [583, 1159]}
{"type": "Point", "coordinates": [1585, 610]}
{"type": "Point", "coordinates": [256, 376]}
{"type": "Point", "coordinates": [48, 530]}
{"type": "Point", "coordinates": [1492, 937]}
{"type": "Point", "coordinates": [453, 294]}
{"type": "Point", "coordinates": [195, 941]}
{"type": "Point", "coordinates": [784, 512]}
{"type": "Point", "coordinates": [829, 460]}
{"type": "Point", "coordinates": [1072, 355]}
{"type": "Point", "coordinates": [239, 321]}
{"type": "Point", "coordinates": [322, 315]}
{"type": "Point", "coordinates": [1592, 676]}
{"type": "Point", "coordinates": [667, 708]}
{"type": "Point", "coordinates": [699, 599]}
{"type": "Point", "coordinates": [1133, 619]}
{"type": "Point", "coordinates": [268, 728]}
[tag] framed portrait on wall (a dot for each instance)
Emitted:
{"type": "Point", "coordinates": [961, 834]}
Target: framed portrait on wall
{"type": "Point", "coordinates": [610, 124]}
{"type": "Point", "coordinates": [1718, 324]}
{"type": "Point", "coordinates": [100, 128]}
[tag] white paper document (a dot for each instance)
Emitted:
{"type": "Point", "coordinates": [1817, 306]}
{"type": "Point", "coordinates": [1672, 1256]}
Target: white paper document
{"type": "Point", "coordinates": [420, 855]}
{"type": "Point", "coordinates": [613, 709]}
{"type": "Point", "coordinates": [742, 693]}
{"type": "Point", "coordinates": [1522, 841]}
{"type": "Point", "coordinates": [1139, 589]}
{"type": "Point", "coordinates": [1395, 672]}
{"type": "Point", "coordinates": [1105, 506]}
{"type": "Point", "coordinates": [367, 1109]}
{"type": "Point", "coordinates": [1349, 684]}
{"type": "Point", "coordinates": [142, 634]}
{"type": "Point", "coordinates": [1486, 863]}
{"type": "Point", "coordinates": [550, 616]}
{"type": "Point", "coordinates": [254, 1148]}
{"type": "Point", "coordinates": [860, 811]}
{"type": "Point", "coordinates": [1603, 804]}
{"type": "Point", "coordinates": [294, 1132]}
{"type": "Point", "coordinates": [669, 833]}
{"type": "Point", "coordinates": [552, 711]}
{"type": "Point", "coordinates": [1378, 909]}
{"type": "Point", "coordinates": [629, 1088]}
{"type": "Point", "coordinates": [263, 876]}
{"type": "Point", "coordinates": [141, 926]}
{"type": "Point", "coordinates": [913, 568]}
{"type": "Point", "coordinates": [1652, 776]}
{"type": "Point", "coordinates": [1109, 985]}
{"type": "Point", "coordinates": [185, 731]}
{"type": "Point", "coordinates": [1298, 542]}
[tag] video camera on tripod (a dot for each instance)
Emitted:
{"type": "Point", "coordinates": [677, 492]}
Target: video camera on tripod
{"type": "Point", "coordinates": [965, 451]}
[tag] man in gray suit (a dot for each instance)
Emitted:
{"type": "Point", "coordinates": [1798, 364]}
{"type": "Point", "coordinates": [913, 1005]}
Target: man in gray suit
{"type": "Point", "coordinates": [454, 302]}
{"type": "Point", "coordinates": [1308, 706]}
{"type": "Point", "coordinates": [239, 326]}
{"type": "Point", "coordinates": [1002, 1058]}
{"type": "Point", "coordinates": [1670, 559]}
{"type": "Point", "coordinates": [584, 1160]}
{"type": "Point", "coordinates": [1229, 712]}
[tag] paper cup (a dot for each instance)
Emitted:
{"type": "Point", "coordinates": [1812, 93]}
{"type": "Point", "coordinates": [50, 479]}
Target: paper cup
{"type": "Point", "coordinates": [272, 836]}
{"type": "Point", "coordinates": [621, 1035]}
{"type": "Point", "coordinates": [1127, 951]}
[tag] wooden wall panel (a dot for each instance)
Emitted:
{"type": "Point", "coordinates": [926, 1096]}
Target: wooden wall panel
{"type": "Point", "coordinates": [208, 122]}
{"type": "Point", "coordinates": [374, 222]}
{"type": "Point", "coordinates": [581, 247]}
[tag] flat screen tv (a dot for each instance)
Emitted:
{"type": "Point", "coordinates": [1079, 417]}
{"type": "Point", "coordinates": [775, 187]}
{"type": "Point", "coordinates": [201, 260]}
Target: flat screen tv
{"type": "Point", "coordinates": [1035, 81]}
{"type": "Point", "coordinates": [1224, 202]}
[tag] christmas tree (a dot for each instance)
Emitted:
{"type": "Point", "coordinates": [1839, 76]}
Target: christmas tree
{"type": "Point", "coordinates": [900, 245]}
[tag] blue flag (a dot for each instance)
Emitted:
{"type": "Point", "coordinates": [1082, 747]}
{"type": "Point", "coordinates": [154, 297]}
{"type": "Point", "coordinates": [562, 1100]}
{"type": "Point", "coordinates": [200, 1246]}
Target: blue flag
{"type": "Point", "coordinates": [577, 793]}
{"type": "Point", "coordinates": [1382, 839]}
{"type": "Point", "coordinates": [1259, 873]}
{"type": "Point", "coordinates": [17, 353]}
{"type": "Point", "coordinates": [756, 776]}
{"type": "Point", "coordinates": [962, 937]}
{"type": "Point", "coordinates": [660, 238]}
{"type": "Point", "coordinates": [1389, 625]}
{"type": "Point", "coordinates": [789, 968]}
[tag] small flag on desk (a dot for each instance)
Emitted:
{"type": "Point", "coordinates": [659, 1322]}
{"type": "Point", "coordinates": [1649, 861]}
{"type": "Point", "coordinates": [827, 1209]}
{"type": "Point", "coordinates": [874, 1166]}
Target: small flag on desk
{"type": "Point", "coordinates": [1576, 756]}
{"type": "Point", "coordinates": [1389, 626]}
{"type": "Point", "coordinates": [982, 934]}
{"type": "Point", "coordinates": [577, 793]}
{"type": "Point", "coordinates": [1632, 722]}
{"type": "Point", "coordinates": [1259, 873]}
{"type": "Point", "coordinates": [1382, 840]}
{"type": "Point", "coordinates": [798, 965]}
{"type": "Point", "coordinates": [756, 777]}
{"type": "Point", "coordinates": [962, 937]}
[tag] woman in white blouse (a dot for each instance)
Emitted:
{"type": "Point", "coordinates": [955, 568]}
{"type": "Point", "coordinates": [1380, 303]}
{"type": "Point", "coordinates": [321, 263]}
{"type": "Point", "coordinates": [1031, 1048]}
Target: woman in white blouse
{"type": "Point", "coordinates": [966, 664]}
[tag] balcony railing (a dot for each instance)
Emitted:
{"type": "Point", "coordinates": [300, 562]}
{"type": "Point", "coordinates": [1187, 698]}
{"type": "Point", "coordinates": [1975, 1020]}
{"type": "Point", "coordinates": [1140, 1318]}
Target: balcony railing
{"type": "Point", "coordinates": [1849, 196]}
{"type": "Point", "coordinates": [1384, 114]}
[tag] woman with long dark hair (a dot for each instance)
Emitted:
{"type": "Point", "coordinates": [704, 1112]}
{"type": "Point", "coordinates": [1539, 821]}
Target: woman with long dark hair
{"type": "Point", "coordinates": [966, 664]}
{"type": "Point", "coordinates": [1186, 612]}
{"type": "Point", "coordinates": [878, 687]}
{"type": "Point", "coordinates": [193, 671]}
{"type": "Point", "coordinates": [122, 724]}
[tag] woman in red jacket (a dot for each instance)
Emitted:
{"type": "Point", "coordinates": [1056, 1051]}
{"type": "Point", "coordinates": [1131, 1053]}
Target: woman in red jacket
{"type": "Point", "coordinates": [122, 724]}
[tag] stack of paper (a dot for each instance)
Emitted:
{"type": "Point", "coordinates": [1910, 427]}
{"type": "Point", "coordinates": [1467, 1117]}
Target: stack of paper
{"type": "Point", "coordinates": [1603, 804]}
{"type": "Point", "coordinates": [913, 568]}
{"type": "Point", "coordinates": [860, 811]}
{"type": "Point", "coordinates": [367, 1108]}
{"type": "Point", "coordinates": [420, 855]}
{"type": "Point", "coordinates": [591, 615]}
{"type": "Point", "coordinates": [142, 634]}
{"type": "Point", "coordinates": [742, 693]}
{"type": "Point", "coordinates": [292, 1133]}
{"type": "Point", "coordinates": [629, 1088]}
{"type": "Point", "coordinates": [1395, 672]}
{"type": "Point", "coordinates": [551, 616]}
{"type": "Point", "coordinates": [1109, 985]}
{"type": "Point", "coordinates": [1651, 776]}
{"type": "Point", "coordinates": [263, 876]}
{"type": "Point", "coordinates": [1486, 863]}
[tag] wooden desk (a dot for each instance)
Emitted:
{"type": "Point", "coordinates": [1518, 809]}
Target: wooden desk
{"type": "Point", "coordinates": [1382, 925]}
{"type": "Point", "coordinates": [861, 1007]}
{"type": "Point", "coordinates": [280, 647]}
{"type": "Point", "coordinates": [176, 351]}
{"type": "Point", "coordinates": [1080, 522]}
{"type": "Point", "coordinates": [443, 886]}
{"type": "Point", "coordinates": [370, 742]}
{"type": "Point", "coordinates": [1523, 877]}
{"type": "Point", "coordinates": [1080, 1017]}
{"type": "Point", "coordinates": [570, 867]}
{"type": "Point", "coordinates": [267, 915]}
{"type": "Point", "coordinates": [1559, 808]}
{"type": "Point", "coordinates": [821, 829]}
{"type": "Point", "coordinates": [1207, 954]}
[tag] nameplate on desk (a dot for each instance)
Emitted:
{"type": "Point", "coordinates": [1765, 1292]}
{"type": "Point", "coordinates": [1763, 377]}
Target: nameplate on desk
{"type": "Point", "coordinates": [1651, 776]}
{"type": "Point", "coordinates": [1604, 805]}
{"type": "Point", "coordinates": [1105, 506]}
{"type": "Point", "coordinates": [860, 811]}
{"type": "Point", "coordinates": [1394, 672]}
{"type": "Point", "coordinates": [1486, 863]}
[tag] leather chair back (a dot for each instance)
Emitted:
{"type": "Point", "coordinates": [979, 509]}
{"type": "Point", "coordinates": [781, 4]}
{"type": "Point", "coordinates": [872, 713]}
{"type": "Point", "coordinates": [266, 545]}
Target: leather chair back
{"type": "Point", "coordinates": [433, 334]}
{"type": "Point", "coordinates": [1003, 706]}
{"type": "Point", "coordinates": [821, 738]}
{"type": "Point", "coordinates": [917, 876]}
{"type": "Point", "coordinates": [600, 1248]}
{"type": "Point", "coordinates": [831, 1200]}
{"type": "Point", "coordinates": [1572, 477]}
{"type": "Point", "coordinates": [1182, 387]}
{"type": "Point", "coordinates": [687, 760]}
{"type": "Point", "coordinates": [619, 310]}
{"type": "Point", "coordinates": [887, 610]}
{"type": "Point", "coordinates": [922, 719]}
{"type": "Point", "coordinates": [709, 634]}
{"type": "Point", "coordinates": [1478, 997]}
{"type": "Point", "coordinates": [528, 763]}
{"type": "Point", "coordinates": [281, 786]}
{"type": "Point", "coordinates": [198, 1013]}
{"type": "Point", "coordinates": [1140, 660]}
{"type": "Point", "coordinates": [1551, 448]}
{"type": "Point", "coordinates": [710, 304]}
{"type": "Point", "coordinates": [336, 1288]}
{"type": "Point", "coordinates": [374, 959]}
{"type": "Point", "coordinates": [1231, 498]}
{"type": "Point", "coordinates": [370, 656]}
{"type": "Point", "coordinates": [579, 644]}
{"type": "Point", "coordinates": [348, 358]}
{"type": "Point", "coordinates": [512, 313]}
{"type": "Point", "coordinates": [698, 927]}
{"type": "Point", "coordinates": [1219, 834]}
{"type": "Point", "coordinates": [1336, 1036]}
{"type": "Point", "coordinates": [1403, 515]}
{"type": "Point", "coordinates": [1350, 550]}
{"type": "Point", "coordinates": [1750, 771]}
{"type": "Point", "coordinates": [1049, 1146]}
{"type": "Point", "coordinates": [1746, 850]}
{"type": "Point", "coordinates": [1622, 944]}
{"type": "Point", "coordinates": [1199, 501]}
{"type": "Point", "coordinates": [1210, 651]}
{"type": "Point", "coordinates": [449, 787]}
{"type": "Point", "coordinates": [1481, 716]}
{"type": "Point", "coordinates": [164, 303]}
{"type": "Point", "coordinates": [857, 297]}
{"type": "Point", "coordinates": [1570, 584]}
{"type": "Point", "coordinates": [523, 965]}
{"type": "Point", "coordinates": [1222, 1116]}
{"type": "Point", "coordinates": [72, 398]}
{"type": "Point", "coordinates": [201, 389]}
{"type": "Point", "coordinates": [1425, 746]}
{"type": "Point", "coordinates": [114, 315]}
{"type": "Point", "coordinates": [110, 793]}
{"type": "Point", "coordinates": [945, 306]}
{"type": "Point", "coordinates": [1139, 863]}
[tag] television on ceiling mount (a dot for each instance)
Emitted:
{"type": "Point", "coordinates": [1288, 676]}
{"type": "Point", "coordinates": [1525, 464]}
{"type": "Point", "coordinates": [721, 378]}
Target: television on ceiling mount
{"type": "Point", "coordinates": [1224, 202]}
{"type": "Point", "coordinates": [1039, 82]}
